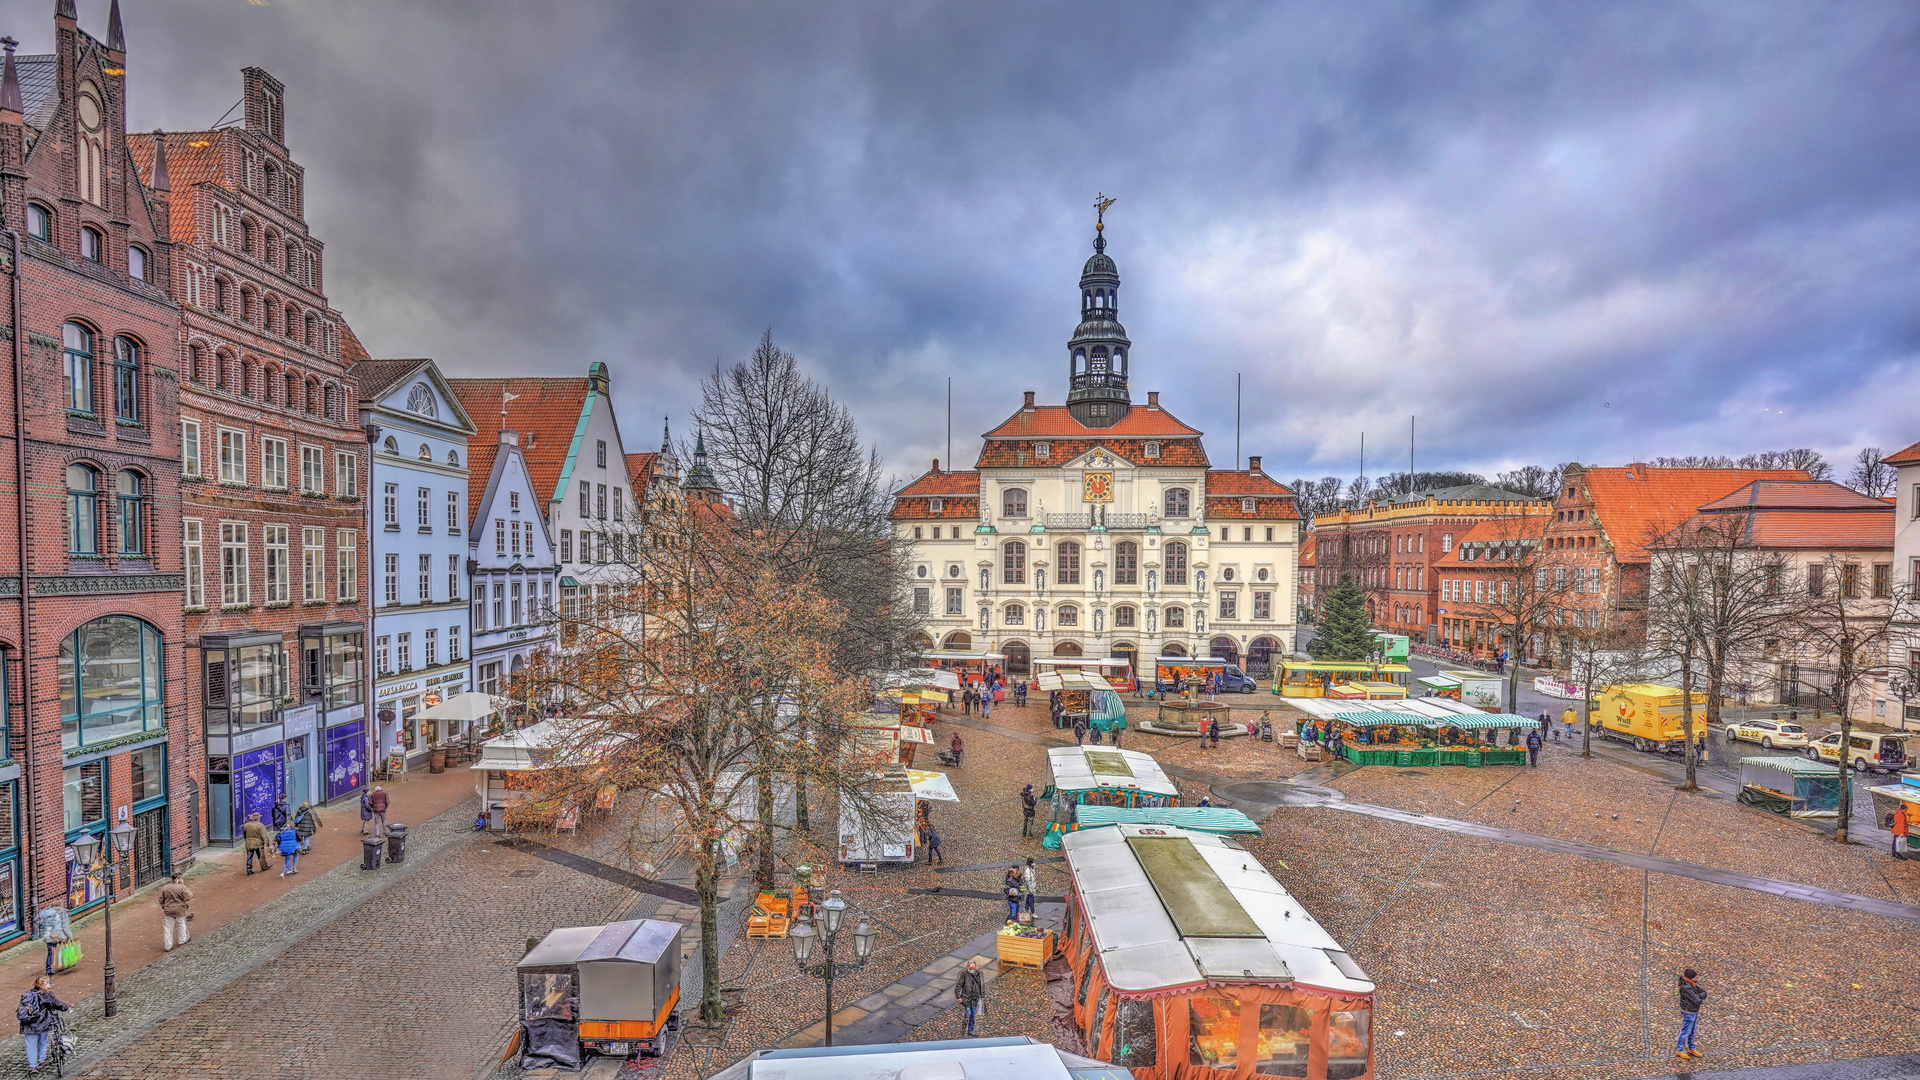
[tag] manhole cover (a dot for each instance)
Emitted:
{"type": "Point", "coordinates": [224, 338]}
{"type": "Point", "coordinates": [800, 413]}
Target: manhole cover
{"type": "Point", "coordinates": [525, 873]}
{"type": "Point", "coordinates": [1411, 772]}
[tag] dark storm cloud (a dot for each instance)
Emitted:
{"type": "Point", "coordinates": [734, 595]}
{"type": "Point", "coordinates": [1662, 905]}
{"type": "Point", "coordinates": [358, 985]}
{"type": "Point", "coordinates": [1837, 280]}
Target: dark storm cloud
{"type": "Point", "coordinates": [1552, 230]}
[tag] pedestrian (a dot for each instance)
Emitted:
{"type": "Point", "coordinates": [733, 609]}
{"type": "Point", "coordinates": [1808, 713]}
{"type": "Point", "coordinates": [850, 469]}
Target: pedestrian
{"type": "Point", "coordinates": [1020, 693]}
{"type": "Point", "coordinates": [1205, 801]}
{"type": "Point", "coordinates": [1079, 730]}
{"type": "Point", "coordinates": [1213, 732]}
{"type": "Point", "coordinates": [1116, 734]}
{"type": "Point", "coordinates": [39, 1019]}
{"type": "Point", "coordinates": [1266, 726]}
{"type": "Point", "coordinates": [1028, 804]}
{"type": "Point", "coordinates": [288, 843]}
{"type": "Point", "coordinates": [1692, 996]}
{"type": "Point", "coordinates": [305, 823]}
{"type": "Point", "coordinates": [366, 812]}
{"type": "Point", "coordinates": [970, 991]}
{"type": "Point", "coordinates": [377, 802]}
{"type": "Point", "coordinates": [957, 747]}
{"type": "Point", "coordinates": [175, 911]}
{"type": "Point", "coordinates": [1029, 884]}
{"type": "Point", "coordinates": [1058, 711]}
{"type": "Point", "coordinates": [1010, 888]}
{"type": "Point", "coordinates": [1094, 735]}
{"type": "Point", "coordinates": [1900, 824]}
{"type": "Point", "coordinates": [986, 702]}
{"type": "Point", "coordinates": [1533, 749]}
{"type": "Point", "coordinates": [933, 847]}
{"type": "Point", "coordinates": [1568, 718]}
{"type": "Point", "coordinates": [255, 838]}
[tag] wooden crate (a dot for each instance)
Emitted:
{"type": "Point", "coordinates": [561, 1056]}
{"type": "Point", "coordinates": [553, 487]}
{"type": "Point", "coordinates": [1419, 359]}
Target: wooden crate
{"type": "Point", "coordinates": [1024, 951]}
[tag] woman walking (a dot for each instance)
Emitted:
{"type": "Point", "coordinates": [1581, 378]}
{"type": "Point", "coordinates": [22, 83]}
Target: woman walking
{"type": "Point", "coordinates": [305, 824]}
{"type": "Point", "coordinates": [289, 848]}
{"type": "Point", "coordinates": [39, 1019]}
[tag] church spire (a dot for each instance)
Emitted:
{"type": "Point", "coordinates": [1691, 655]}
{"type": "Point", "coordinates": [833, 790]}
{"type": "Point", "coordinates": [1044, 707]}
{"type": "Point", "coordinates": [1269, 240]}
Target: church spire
{"type": "Point", "coordinates": [700, 478]}
{"type": "Point", "coordinates": [160, 182]}
{"type": "Point", "coordinates": [10, 82]}
{"type": "Point", "coordinates": [1097, 353]}
{"type": "Point", "coordinates": [116, 37]}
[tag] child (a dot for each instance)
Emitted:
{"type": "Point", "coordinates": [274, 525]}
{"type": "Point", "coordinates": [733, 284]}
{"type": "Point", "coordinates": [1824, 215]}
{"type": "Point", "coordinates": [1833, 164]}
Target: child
{"type": "Point", "coordinates": [289, 847]}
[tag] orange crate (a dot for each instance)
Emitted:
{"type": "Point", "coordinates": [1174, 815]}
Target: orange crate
{"type": "Point", "coordinates": [1024, 951]}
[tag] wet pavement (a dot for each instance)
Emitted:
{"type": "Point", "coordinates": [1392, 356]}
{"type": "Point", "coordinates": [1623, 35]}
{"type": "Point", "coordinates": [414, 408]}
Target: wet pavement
{"type": "Point", "coordinates": [1900, 1067]}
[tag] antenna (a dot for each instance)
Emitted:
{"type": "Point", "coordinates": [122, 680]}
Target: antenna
{"type": "Point", "coordinates": [1410, 421]}
{"type": "Point", "coordinates": [1363, 468]}
{"type": "Point", "coordinates": [949, 421]}
{"type": "Point", "coordinates": [1236, 421]}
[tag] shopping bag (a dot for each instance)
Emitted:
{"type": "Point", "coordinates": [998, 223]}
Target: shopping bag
{"type": "Point", "coordinates": [69, 956]}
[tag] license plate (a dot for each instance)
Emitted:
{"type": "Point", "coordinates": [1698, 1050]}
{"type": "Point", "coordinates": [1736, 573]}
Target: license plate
{"type": "Point", "coordinates": [619, 1048]}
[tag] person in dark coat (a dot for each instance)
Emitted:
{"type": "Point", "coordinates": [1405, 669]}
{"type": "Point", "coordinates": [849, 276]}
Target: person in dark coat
{"type": "Point", "coordinates": [1533, 749]}
{"type": "Point", "coordinates": [1692, 996]}
{"type": "Point", "coordinates": [969, 991]}
{"type": "Point", "coordinates": [957, 747]}
{"type": "Point", "coordinates": [933, 848]}
{"type": "Point", "coordinates": [281, 813]}
{"type": "Point", "coordinates": [255, 837]}
{"type": "Point", "coordinates": [1079, 730]}
{"type": "Point", "coordinates": [305, 823]}
{"type": "Point", "coordinates": [1027, 806]}
{"type": "Point", "coordinates": [39, 1012]}
{"type": "Point", "coordinates": [1010, 887]}
{"type": "Point", "coordinates": [377, 802]}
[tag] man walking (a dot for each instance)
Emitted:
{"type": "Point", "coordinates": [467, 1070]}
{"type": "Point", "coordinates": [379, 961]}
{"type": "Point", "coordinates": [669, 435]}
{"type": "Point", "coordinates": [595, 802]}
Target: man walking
{"type": "Point", "coordinates": [1568, 718]}
{"type": "Point", "coordinates": [934, 858]}
{"type": "Point", "coordinates": [986, 702]}
{"type": "Point", "coordinates": [377, 802]}
{"type": "Point", "coordinates": [1029, 885]}
{"type": "Point", "coordinates": [1027, 806]}
{"type": "Point", "coordinates": [254, 836]}
{"type": "Point", "coordinates": [1079, 730]}
{"type": "Point", "coordinates": [969, 991]}
{"type": "Point", "coordinates": [1533, 749]}
{"type": "Point", "coordinates": [175, 909]}
{"type": "Point", "coordinates": [1900, 824]}
{"type": "Point", "coordinates": [1692, 996]}
{"type": "Point", "coordinates": [305, 823]}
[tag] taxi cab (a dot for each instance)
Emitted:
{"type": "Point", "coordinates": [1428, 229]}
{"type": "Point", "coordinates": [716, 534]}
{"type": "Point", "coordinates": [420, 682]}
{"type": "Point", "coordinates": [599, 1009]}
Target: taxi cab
{"type": "Point", "coordinates": [1768, 733]}
{"type": "Point", "coordinates": [1868, 751]}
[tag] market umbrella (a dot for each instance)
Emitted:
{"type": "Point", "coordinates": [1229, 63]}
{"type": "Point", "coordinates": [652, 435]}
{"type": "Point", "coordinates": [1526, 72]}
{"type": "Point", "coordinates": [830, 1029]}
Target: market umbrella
{"type": "Point", "coordinates": [933, 786]}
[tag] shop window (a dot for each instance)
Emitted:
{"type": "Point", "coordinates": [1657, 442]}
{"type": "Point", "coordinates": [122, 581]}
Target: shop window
{"type": "Point", "coordinates": [1215, 1025]}
{"type": "Point", "coordinates": [84, 795]}
{"type": "Point", "coordinates": [149, 773]}
{"type": "Point", "coordinates": [1347, 1044]}
{"type": "Point", "coordinates": [1286, 1031]}
{"type": "Point", "coordinates": [109, 681]}
{"type": "Point", "coordinates": [1135, 1042]}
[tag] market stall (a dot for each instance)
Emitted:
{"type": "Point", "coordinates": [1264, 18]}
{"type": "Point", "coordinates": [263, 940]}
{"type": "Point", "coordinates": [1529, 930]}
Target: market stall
{"type": "Point", "coordinates": [970, 668]}
{"type": "Point", "coordinates": [1100, 776]}
{"type": "Point", "coordinates": [1890, 797]}
{"type": "Point", "coordinates": [510, 766]}
{"type": "Point", "coordinates": [1401, 733]}
{"type": "Point", "coordinates": [1190, 962]}
{"type": "Point", "coordinates": [1358, 680]}
{"type": "Point", "coordinates": [1795, 787]}
{"type": "Point", "coordinates": [1206, 819]}
{"type": "Point", "coordinates": [606, 989]}
{"type": "Point", "coordinates": [1083, 695]}
{"type": "Point", "coordinates": [1117, 670]}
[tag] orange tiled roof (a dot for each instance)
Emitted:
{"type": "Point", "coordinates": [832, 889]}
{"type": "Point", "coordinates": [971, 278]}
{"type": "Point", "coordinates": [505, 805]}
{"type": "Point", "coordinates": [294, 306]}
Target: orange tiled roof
{"type": "Point", "coordinates": [1636, 502]}
{"type": "Point", "coordinates": [1801, 514]}
{"type": "Point", "coordinates": [640, 470]}
{"type": "Point", "coordinates": [545, 412]}
{"type": "Point", "coordinates": [1794, 495]}
{"type": "Point", "coordinates": [351, 351]}
{"type": "Point", "coordinates": [1308, 544]}
{"type": "Point", "coordinates": [481, 452]}
{"type": "Point", "coordinates": [1019, 453]}
{"type": "Point", "coordinates": [1243, 482]}
{"type": "Point", "coordinates": [947, 482]}
{"type": "Point", "coordinates": [959, 493]}
{"type": "Point", "coordinates": [1514, 528]}
{"type": "Point", "coordinates": [1055, 422]}
{"type": "Point", "coordinates": [1904, 457]}
{"type": "Point", "coordinates": [187, 167]}
{"type": "Point", "coordinates": [379, 376]}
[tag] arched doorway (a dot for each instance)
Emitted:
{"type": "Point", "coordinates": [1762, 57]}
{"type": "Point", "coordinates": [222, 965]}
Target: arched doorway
{"type": "Point", "coordinates": [1019, 657]}
{"type": "Point", "coordinates": [920, 644]}
{"type": "Point", "coordinates": [1173, 648]}
{"type": "Point", "coordinates": [1126, 650]}
{"type": "Point", "coordinates": [1067, 648]}
{"type": "Point", "coordinates": [1260, 656]}
{"type": "Point", "coordinates": [958, 641]}
{"type": "Point", "coordinates": [1224, 648]}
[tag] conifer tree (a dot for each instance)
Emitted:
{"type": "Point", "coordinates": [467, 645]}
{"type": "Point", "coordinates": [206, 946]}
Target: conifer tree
{"type": "Point", "coordinates": [1344, 631]}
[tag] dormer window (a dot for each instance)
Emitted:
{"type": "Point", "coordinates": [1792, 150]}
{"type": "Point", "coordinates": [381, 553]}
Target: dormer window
{"type": "Point", "coordinates": [1042, 450]}
{"type": "Point", "coordinates": [1246, 506]}
{"type": "Point", "coordinates": [1099, 408]}
{"type": "Point", "coordinates": [1152, 449]}
{"type": "Point", "coordinates": [90, 244]}
{"type": "Point", "coordinates": [936, 505]}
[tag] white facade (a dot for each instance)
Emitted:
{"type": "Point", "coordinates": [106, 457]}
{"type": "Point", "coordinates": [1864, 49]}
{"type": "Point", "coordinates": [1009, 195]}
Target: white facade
{"type": "Point", "coordinates": [511, 557]}
{"type": "Point", "coordinates": [592, 509]}
{"type": "Point", "coordinates": [1905, 650]}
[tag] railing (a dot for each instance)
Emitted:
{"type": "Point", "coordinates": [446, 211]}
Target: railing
{"type": "Point", "coordinates": [1088, 380]}
{"type": "Point", "coordinates": [1083, 522]}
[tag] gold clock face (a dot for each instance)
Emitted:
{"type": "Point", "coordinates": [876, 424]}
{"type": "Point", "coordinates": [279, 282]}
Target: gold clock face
{"type": "Point", "coordinates": [1099, 487]}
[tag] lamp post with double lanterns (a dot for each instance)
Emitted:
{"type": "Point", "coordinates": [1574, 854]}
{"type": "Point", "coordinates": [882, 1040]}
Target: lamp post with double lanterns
{"type": "Point", "coordinates": [87, 847]}
{"type": "Point", "coordinates": [833, 912]}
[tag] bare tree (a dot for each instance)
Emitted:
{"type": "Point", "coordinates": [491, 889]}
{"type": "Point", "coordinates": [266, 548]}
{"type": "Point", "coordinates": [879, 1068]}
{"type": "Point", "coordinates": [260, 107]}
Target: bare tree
{"type": "Point", "coordinates": [1871, 476]}
{"type": "Point", "coordinates": [1533, 481]}
{"type": "Point", "coordinates": [1810, 460]}
{"type": "Point", "coordinates": [1734, 596]}
{"type": "Point", "coordinates": [1599, 655]}
{"type": "Point", "coordinates": [1851, 625]}
{"type": "Point", "coordinates": [1528, 585]}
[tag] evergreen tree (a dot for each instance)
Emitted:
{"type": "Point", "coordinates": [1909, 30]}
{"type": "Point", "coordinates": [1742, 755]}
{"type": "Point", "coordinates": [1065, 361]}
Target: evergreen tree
{"type": "Point", "coordinates": [1344, 632]}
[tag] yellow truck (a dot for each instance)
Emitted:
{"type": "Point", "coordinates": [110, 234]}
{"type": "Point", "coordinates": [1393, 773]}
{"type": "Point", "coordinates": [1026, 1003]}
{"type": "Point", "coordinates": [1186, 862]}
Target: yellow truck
{"type": "Point", "coordinates": [1649, 716]}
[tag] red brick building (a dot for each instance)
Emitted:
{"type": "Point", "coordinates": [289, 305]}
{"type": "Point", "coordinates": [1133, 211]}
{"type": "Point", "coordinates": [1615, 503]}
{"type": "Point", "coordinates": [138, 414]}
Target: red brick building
{"type": "Point", "coordinates": [90, 470]}
{"type": "Point", "coordinates": [274, 521]}
{"type": "Point", "coordinates": [1484, 563]}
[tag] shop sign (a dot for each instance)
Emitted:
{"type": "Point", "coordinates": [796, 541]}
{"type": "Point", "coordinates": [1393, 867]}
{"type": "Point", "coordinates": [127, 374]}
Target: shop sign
{"type": "Point", "coordinates": [261, 736]}
{"type": "Point", "coordinates": [300, 720]}
{"type": "Point", "coordinates": [448, 678]}
{"type": "Point", "coordinates": [346, 715]}
{"type": "Point", "coordinates": [400, 688]}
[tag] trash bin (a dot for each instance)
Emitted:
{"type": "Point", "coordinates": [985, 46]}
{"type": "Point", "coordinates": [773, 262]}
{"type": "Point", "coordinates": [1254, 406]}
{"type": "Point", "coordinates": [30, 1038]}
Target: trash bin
{"type": "Point", "coordinates": [370, 852]}
{"type": "Point", "coordinates": [396, 843]}
{"type": "Point", "coordinates": [497, 816]}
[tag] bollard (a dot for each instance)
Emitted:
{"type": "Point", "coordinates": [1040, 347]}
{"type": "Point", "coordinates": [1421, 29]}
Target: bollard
{"type": "Point", "coordinates": [396, 843]}
{"type": "Point", "coordinates": [370, 853]}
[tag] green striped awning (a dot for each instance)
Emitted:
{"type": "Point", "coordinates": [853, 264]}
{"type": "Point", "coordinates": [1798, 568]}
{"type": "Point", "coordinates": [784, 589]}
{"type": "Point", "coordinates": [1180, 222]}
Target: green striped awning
{"type": "Point", "coordinates": [1476, 721]}
{"type": "Point", "coordinates": [1213, 819]}
{"type": "Point", "coordinates": [1384, 719]}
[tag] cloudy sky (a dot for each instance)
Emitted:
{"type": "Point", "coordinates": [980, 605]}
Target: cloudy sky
{"type": "Point", "coordinates": [1554, 231]}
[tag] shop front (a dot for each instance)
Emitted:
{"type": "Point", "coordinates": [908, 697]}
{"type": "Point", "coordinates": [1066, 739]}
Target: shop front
{"type": "Point", "coordinates": [400, 703]}
{"type": "Point", "coordinates": [333, 679]}
{"type": "Point", "coordinates": [244, 677]}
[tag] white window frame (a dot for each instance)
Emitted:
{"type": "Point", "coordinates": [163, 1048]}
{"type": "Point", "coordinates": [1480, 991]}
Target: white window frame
{"type": "Point", "coordinates": [347, 564]}
{"type": "Point", "coordinates": [190, 459]}
{"type": "Point", "coordinates": [273, 539]}
{"type": "Point", "coordinates": [273, 464]}
{"type": "Point", "coordinates": [313, 469]}
{"type": "Point", "coordinates": [453, 513]}
{"type": "Point", "coordinates": [313, 564]}
{"type": "Point", "coordinates": [233, 456]}
{"type": "Point", "coordinates": [193, 552]}
{"type": "Point", "coordinates": [346, 474]}
{"type": "Point", "coordinates": [234, 590]}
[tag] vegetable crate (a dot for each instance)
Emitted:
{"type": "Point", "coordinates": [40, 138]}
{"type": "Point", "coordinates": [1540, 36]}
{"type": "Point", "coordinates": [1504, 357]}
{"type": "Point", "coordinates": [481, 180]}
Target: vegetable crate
{"type": "Point", "coordinates": [1033, 952]}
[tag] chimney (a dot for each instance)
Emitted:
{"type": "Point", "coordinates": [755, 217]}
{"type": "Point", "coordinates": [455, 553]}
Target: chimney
{"type": "Point", "coordinates": [509, 438]}
{"type": "Point", "coordinates": [1029, 403]}
{"type": "Point", "coordinates": [1253, 463]}
{"type": "Point", "coordinates": [1637, 471]}
{"type": "Point", "coordinates": [936, 464]}
{"type": "Point", "coordinates": [1153, 399]}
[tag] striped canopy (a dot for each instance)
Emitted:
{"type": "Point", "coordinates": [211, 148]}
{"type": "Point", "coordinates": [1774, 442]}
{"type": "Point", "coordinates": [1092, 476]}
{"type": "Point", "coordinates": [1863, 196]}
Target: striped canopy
{"type": "Point", "coordinates": [1213, 819]}
{"type": "Point", "coordinates": [1384, 719]}
{"type": "Point", "coordinates": [1458, 721]}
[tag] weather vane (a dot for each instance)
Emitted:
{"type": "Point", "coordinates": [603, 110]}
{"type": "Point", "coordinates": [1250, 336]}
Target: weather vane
{"type": "Point", "coordinates": [1101, 202]}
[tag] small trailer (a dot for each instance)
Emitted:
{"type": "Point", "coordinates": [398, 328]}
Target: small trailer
{"type": "Point", "coordinates": [609, 989]}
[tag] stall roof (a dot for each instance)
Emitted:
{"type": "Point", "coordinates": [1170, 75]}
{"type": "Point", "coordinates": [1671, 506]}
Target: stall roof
{"type": "Point", "coordinates": [560, 947]}
{"type": "Point", "coordinates": [1477, 719]}
{"type": "Point", "coordinates": [1329, 665]}
{"type": "Point", "coordinates": [530, 748]}
{"type": "Point", "coordinates": [1189, 661]}
{"type": "Point", "coordinates": [1073, 680]}
{"type": "Point", "coordinates": [1794, 766]}
{"type": "Point", "coordinates": [639, 941]}
{"type": "Point", "coordinates": [930, 785]}
{"type": "Point", "coordinates": [1440, 682]}
{"type": "Point", "coordinates": [1903, 792]}
{"type": "Point", "coordinates": [934, 677]}
{"type": "Point", "coordinates": [1088, 661]}
{"type": "Point", "coordinates": [1209, 819]}
{"type": "Point", "coordinates": [1141, 944]}
{"type": "Point", "coordinates": [956, 654]}
{"type": "Point", "coordinates": [1015, 1057]}
{"type": "Point", "coordinates": [1383, 718]}
{"type": "Point", "coordinates": [1079, 768]}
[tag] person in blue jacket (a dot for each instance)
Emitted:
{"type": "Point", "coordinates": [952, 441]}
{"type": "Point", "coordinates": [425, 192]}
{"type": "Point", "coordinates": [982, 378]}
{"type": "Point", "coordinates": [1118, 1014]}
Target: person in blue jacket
{"type": "Point", "coordinates": [289, 846]}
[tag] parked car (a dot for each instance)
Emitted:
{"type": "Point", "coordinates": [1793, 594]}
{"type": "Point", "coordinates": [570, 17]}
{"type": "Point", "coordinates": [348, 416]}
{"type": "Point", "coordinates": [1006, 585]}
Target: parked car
{"type": "Point", "coordinates": [1769, 733]}
{"type": "Point", "coordinates": [1867, 751]}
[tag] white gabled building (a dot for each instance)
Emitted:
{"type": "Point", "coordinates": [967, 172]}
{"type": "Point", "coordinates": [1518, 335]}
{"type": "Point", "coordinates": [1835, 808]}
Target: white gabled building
{"type": "Point", "coordinates": [512, 563]}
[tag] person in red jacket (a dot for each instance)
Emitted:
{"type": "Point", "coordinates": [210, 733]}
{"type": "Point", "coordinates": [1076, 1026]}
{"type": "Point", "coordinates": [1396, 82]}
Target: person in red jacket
{"type": "Point", "coordinates": [377, 803]}
{"type": "Point", "coordinates": [1900, 824]}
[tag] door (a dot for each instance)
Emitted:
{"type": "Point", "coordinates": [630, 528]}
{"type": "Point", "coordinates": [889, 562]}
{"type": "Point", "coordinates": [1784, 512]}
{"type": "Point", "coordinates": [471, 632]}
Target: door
{"type": "Point", "coordinates": [299, 772]}
{"type": "Point", "coordinates": [149, 846]}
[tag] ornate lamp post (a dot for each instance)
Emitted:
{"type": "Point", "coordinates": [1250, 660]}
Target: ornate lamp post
{"type": "Point", "coordinates": [86, 847]}
{"type": "Point", "coordinates": [833, 912]}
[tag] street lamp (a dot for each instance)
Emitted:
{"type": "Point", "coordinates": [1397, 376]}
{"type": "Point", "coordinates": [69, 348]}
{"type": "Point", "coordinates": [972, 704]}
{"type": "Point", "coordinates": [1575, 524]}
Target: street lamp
{"type": "Point", "coordinates": [833, 912]}
{"type": "Point", "coordinates": [86, 847]}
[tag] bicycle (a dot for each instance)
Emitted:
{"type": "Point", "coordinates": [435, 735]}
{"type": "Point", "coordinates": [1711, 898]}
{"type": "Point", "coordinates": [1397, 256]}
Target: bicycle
{"type": "Point", "coordinates": [60, 1043]}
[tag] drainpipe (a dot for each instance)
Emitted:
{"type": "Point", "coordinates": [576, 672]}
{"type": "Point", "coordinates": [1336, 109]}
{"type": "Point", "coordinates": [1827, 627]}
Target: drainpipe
{"type": "Point", "coordinates": [26, 609]}
{"type": "Point", "coordinates": [372, 432]}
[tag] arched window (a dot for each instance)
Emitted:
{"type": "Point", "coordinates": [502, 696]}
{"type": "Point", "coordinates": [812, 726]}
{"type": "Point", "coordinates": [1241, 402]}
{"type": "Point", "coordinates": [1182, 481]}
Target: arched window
{"type": "Point", "coordinates": [92, 158]}
{"type": "Point", "coordinates": [1067, 615]}
{"type": "Point", "coordinates": [133, 513]}
{"type": "Point", "coordinates": [1013, 503]}
{"type": "Point", "coordinates": [1176, 618]}
{"type": "Point", "coordinates": [222, 296]}
{"type": "Point", "coordinates": [420, 401]}
{"type": "Point", "coordinates": [137, 262]}
{"type": "Point", "coordinates": [39, 222]}
{"type": "Point", "coordinates": [426, 452]}
{"type": "Point", "coordinates": [126, 380]}
{"type": "Point", "coordinates": [1013, 563]}
{"type": "Point", "coordinates": [1123, 616]}
{"type": "Point", "coordinates": [390, 446]}
{"type": "Point", "coordinates": [1068, 558]}
{"type": "Point", "coordinates": [453, 458]}
{"type": "Point", "coordinates": [83, 510]}
{"type": "Point", "coordinates": [1016, 615]}
{"type": "Point", "coordinates": [1126, 564]}
{"type": "Point", "coordinates": [1067, 648]}
{"type": "Point", "coordinates": [109, 681]}
{"type": "Point", "coordinates": [1176, 563]}
{"type": "Point", "coordinates": [78, 342]}
{"type": "Point", "coordinates": [1179, 503]}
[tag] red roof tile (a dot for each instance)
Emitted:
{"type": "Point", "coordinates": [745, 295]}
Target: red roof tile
{"type": "Point", "coordinates": [959, 494]}
{"type": "Point", "coordinates": [947, 482]}
{"type": "Point", "coordinates": [1243, 482]}
{"type": "Point", "coordinates": [1019, 453]}
{"type": "Point", "coordinates": [1508, 528]}
{"type": "Point", "coordinates": [482, 449]}
{"type": "Point", "coordinates": [1637, 502]}
{"type": "Point", "coordinates": [1904, 457]}
{"type": "Point", "coordinates": [640, 471]}
{"type": "Point", "coordinates": [545, 412]}
{"type": "Point", "coordinates": [1055, 422]}
{"type": "Point", "coordinates": [1794, 495]}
